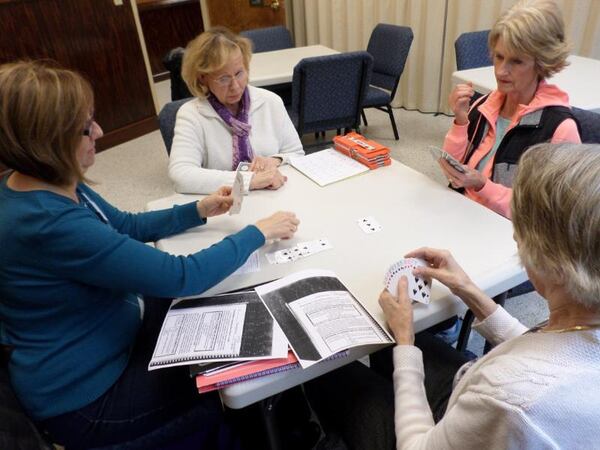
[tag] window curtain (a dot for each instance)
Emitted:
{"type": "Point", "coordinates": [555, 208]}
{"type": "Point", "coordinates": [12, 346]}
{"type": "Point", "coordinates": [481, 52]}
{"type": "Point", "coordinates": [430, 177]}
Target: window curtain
{"type": "Point", "coordinates": [346, 25]}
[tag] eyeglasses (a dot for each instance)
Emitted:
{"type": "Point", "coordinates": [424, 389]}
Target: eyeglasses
{"type": "Point", "coordinates": [89, 127]}
{"type": "Point", "coordinates": [226, 80]}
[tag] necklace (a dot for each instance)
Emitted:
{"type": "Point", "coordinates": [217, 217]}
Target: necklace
{"type": "Point", "coordinates": [539, 328]}
{"type": "Point", "coordinates": [573, 328]}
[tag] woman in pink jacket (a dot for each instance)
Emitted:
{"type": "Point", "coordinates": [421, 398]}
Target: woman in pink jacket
{"type": "Point", "coordinates": [527, 45]}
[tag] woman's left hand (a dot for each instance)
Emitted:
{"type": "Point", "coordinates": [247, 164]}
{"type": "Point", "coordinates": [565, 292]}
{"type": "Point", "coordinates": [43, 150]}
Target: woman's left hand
{"type": "Point", "coordinates": [471, 179]}
{"type": "Point", "coordinates": [262, 164]}
{"type": "Point", "coordinates": [216, 203]}
{"type": "Point", "coordinates": [399, 313]}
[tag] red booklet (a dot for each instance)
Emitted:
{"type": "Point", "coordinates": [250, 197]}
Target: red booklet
{"type": "Point", "coordinates": [248, 370]}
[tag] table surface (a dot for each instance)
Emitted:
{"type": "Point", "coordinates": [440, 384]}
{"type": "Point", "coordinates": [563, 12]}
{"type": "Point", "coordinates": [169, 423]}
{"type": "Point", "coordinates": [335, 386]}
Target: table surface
{"type": "Point", "coordinates": [579, 79]}
{"type": "Point", "coordinates": [413, 210]}
{"type": "Point", "coordinates": [267, 68]}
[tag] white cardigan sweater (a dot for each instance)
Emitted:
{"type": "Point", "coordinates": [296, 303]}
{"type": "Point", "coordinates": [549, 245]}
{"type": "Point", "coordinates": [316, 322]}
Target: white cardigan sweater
{"type": "Point", "coordinates": [535, 391]}
{"type": "Point", "coordinates": [201, 155]}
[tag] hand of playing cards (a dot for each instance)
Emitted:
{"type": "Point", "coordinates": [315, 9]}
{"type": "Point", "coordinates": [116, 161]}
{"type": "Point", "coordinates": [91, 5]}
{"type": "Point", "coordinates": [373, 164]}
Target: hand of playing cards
{"type": "Point", "coordinates": [419, 289]}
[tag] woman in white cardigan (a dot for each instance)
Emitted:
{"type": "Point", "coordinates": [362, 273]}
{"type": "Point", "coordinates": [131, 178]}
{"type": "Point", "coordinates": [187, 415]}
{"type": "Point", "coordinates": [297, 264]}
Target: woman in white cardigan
{"type": "Point", "coordinates": [538, 388]}
{"type": "Point", "coordinates": [229, 121]}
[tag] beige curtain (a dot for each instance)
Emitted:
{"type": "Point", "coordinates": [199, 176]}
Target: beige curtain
{"type": "Point", "coordinates": [346, 25]}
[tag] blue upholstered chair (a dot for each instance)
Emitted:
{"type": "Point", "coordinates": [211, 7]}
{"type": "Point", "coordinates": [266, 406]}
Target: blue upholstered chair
{"type": "Point", "coordinates": [472, 50]}
{"type": "Point", "coordinates": [389, 46]}
{"type": "Point", "coordinates": [328, 91]}
{"type": "Point", "coordinates": [166, 121]}
{"type": "Point", "coordinates": [589, 125]}
{"type": "Point", "coordinates": [269, 39]}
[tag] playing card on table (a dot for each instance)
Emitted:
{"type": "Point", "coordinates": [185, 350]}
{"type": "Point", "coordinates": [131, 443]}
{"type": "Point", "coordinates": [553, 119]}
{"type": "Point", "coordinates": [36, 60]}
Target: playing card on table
{"type": "Point", "coordinates": [301, 250]}
{"type": "Point", "coordinates": [237, 191]}
{"type": "Point", "coordinates": [419, 289]}
{"type": "Point", "coordinates": [369, 224]}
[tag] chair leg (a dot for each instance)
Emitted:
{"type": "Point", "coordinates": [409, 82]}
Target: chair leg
{"type": "Point", "coordinates": [364, 117]}
{"type": "Point", "coordinates": [465, 331]}
{"type": "Point", "coordinates": [339, 131]}
{"type": "Point", "coordinates": [391, 113]}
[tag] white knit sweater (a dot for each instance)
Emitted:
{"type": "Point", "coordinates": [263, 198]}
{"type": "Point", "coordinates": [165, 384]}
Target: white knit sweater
{"type": "Point", "coordinates": [534, 391]}
{"type": "Point", "coordinates": [201, 155]}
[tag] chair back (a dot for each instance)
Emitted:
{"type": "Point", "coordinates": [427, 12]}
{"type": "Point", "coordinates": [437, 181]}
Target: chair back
{"type": "Point", "coordinates": [472, 50]}
{"type": "Point", "coordinates": [172, 62]}
{"type": "Point", "coordinates": [166, 121]}
{"type": "Point", "coordinates": [589, 125]}
{"type": "Point", "coordinates": [327, 91]}
{"type": "Point", "coordinates": [389, 46]}
{"type": "Point", "coordinates": [269, 39]}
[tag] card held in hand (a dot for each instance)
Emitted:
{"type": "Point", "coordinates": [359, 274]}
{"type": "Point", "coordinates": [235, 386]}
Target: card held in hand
{"type": "Point", "coordinates": [237, 191]}
{"type": "Point", "coordinates": [419, 289]}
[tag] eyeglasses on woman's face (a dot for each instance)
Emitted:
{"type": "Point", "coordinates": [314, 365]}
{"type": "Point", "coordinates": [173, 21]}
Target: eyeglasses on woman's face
{"type": "Point", "coordinates": [88, 128]}
{"type": "Point", "coordinates": [226, 80]}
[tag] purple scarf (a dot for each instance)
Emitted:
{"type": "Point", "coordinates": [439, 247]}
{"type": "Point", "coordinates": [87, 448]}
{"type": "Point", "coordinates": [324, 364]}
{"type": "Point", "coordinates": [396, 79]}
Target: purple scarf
{"type": "Point", "coordinates": [242, 150]}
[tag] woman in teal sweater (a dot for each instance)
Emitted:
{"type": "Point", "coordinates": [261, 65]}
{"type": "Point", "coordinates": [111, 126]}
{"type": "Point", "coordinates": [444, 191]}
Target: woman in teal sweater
{"type": "Point", "coordinates": [74, 270]}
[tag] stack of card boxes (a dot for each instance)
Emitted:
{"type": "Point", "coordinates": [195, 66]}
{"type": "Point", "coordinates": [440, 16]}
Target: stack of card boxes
{"type": "Point", "coordinates": [370, 153]}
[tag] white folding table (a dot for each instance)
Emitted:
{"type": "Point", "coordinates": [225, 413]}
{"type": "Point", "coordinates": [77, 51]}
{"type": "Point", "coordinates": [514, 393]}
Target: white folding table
{"type": "Point", "coordinates": [413, 210]}
{"type": "Point", "coordinates": [276, 67]}
{"type": "Point", "coordinates": [579, 79]}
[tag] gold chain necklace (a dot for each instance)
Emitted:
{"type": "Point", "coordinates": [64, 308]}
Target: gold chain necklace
{"type": "Point", "coordinates": [573, 328]}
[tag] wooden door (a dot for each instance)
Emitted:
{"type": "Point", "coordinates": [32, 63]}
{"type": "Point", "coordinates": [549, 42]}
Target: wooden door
{"type": "Point", "coordinates": [97, 38]}
{"type": "Point", "coordinates": [168, 24]}
{"type": "Point", "coordinates": [240, 15]}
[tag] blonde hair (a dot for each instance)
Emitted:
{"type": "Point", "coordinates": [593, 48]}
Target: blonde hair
{"type": "Point", "coordinates": [209, 52]}
{"type": "Point", "coordinates": [43, 110]}
{"type": "Point", "coordinates": [556, 216]}
{"type": "Point", "coordinates": [534, 28]}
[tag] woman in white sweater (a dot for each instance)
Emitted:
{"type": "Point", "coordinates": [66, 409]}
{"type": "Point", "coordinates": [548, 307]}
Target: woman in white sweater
{"type": "Point", "coordinates": [538, 388]}
{"type": "Point", "coordinates": [229, 121]}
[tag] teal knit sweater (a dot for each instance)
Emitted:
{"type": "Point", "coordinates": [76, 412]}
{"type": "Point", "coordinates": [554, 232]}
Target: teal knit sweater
{"type": "Point", "coordinates": [70, 277]}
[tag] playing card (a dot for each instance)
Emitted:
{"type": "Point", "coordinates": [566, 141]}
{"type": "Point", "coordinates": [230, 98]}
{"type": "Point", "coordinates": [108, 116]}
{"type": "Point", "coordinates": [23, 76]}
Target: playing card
{"type": "Point", "coordinates": [237, 191]}
{"type": "Point", "coordinates": [244, 166]}
{"type": "Point", "coordinates": [419, 289]}
{"type": "Point", "coordinates": [301, 250]}
{"type": "Point", "coordinates": [369, 224]}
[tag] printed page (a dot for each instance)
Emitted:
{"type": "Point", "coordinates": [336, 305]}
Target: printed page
{"type": "Point", "coordinates": [199, 333]}
{"type": "Point", "coordinates": [327, 166]}
{"type": "Point", "coordinates": [319, 316]}
{"type": "Point", "coordinates": [334, 321]}
{"type": "Point", "coordinates": [252, 264]}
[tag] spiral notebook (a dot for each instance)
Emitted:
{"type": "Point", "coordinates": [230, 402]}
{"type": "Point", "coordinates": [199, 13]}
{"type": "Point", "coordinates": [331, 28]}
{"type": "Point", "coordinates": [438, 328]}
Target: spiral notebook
{"type": "Point", "coordinates": [250, 370]}
{"type": "Point", "coordinates": [226, 327]}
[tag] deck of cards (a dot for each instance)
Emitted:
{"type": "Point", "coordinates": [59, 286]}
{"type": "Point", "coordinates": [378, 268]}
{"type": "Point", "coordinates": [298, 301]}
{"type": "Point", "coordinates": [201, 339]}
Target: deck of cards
{"type": "Point", "coordinates": [419, 289]}
{"type": "Point", "coordinates": [237, 190]}
{"type": "Point", "coordinates": [301, 250]}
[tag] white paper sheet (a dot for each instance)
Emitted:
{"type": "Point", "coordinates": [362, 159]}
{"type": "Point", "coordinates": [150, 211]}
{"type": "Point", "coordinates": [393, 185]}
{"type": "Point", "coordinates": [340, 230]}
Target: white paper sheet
{"type": "Point", "coordinates": [327, 166]}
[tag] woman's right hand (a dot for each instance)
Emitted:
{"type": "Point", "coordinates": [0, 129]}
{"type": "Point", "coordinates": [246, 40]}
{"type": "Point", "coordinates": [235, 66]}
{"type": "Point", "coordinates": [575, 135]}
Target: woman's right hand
{"type": "Point", "coordinates": [443, 267]}
{"type": "Point", "coordinates": [268, 179]}
{"type": "Point", "coordinates": [459, 102]}
{"type": "Point", "coordinates": [281, 225]}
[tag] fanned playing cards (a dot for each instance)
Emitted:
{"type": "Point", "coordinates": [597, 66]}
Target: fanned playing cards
{"type": "Point", "coordinates": [419, 289]}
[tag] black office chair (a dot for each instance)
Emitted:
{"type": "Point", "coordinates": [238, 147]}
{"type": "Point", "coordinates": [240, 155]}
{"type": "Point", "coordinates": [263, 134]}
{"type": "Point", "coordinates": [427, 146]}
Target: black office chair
{"type": "Point", "coordinates": [389, 46]}
{"type": "Point", "coordinates": [269, 39]}
{"type": "Point", "coordinates": [328, 91]}
{"type": "Point", "coordinates": [472, 50]}
{"type": "Point", "coordinates": [166, 121]}
{"type": "Point", "coordinates": [172, 62]}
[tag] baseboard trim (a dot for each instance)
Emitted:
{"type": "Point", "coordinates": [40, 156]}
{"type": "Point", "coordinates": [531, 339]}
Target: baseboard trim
{"type": "Point", "coordinates": [127, 133]}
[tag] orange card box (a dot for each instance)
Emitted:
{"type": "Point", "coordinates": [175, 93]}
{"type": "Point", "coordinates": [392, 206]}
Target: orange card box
{"type": "Point", "coordinates": [370, 153]}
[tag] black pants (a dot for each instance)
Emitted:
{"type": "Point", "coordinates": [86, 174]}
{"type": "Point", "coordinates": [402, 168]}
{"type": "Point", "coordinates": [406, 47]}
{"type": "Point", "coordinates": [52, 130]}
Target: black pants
{"type": "Point", "coordinates": [146, 409]}
{"type": "Point", "coordinates": [358, 403]}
